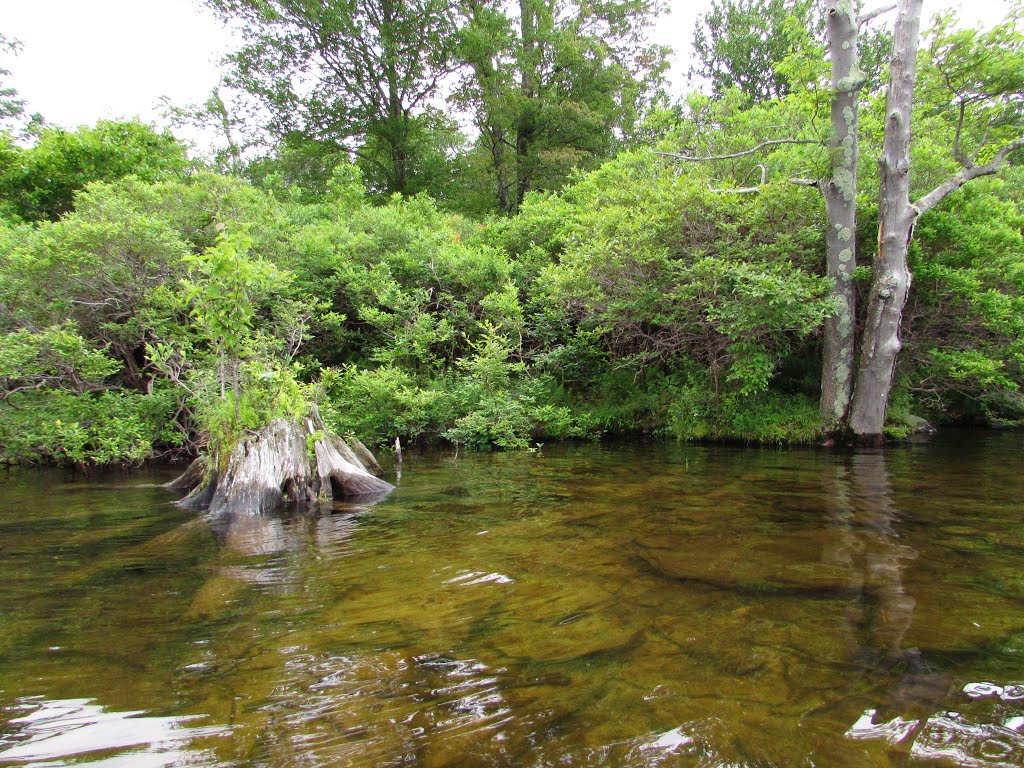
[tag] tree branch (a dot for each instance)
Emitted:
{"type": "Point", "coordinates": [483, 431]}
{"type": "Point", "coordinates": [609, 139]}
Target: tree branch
{"type": "Point", "coordinates": [872, 14]}
{"type": "Point", "coordinates": [735, 191]}
{"type": "Point", "coordinates": [744, 190]}
{"type": "Point", "coordinates": [744, 153]}
{"type": "Point", "coordinates": [941, 192]}
{"type": "Point", "coordinates": [958, 152]}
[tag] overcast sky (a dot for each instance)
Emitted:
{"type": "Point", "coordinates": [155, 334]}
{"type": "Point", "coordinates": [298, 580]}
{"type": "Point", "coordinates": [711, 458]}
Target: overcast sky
{"type": "Point", "coordinates": [84, 60]}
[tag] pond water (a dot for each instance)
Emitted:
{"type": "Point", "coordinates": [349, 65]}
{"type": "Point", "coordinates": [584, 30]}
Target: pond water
{"type": "Point", "coordinates": [626, 605]}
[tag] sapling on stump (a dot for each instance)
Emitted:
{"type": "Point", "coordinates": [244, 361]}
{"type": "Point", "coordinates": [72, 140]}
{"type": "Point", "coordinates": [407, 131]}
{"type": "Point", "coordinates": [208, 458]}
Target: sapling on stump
{"type": "Point", "coordinates": [289, 462]}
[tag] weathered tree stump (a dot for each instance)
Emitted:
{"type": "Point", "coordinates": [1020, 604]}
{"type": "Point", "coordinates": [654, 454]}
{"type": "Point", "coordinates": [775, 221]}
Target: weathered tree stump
{"type": "Point", "coordinates": [293, 463]}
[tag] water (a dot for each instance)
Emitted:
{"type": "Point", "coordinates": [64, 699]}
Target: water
{"type": "Point", "coordinates": [584, 606]}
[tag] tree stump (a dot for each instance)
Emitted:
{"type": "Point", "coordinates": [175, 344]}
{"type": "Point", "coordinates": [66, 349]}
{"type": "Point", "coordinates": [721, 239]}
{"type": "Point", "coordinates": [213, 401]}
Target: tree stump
{"type": "Point", "coordinates": [287, 463]}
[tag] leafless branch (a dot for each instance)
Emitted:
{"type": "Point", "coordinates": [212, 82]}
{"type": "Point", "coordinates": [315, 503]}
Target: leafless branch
{"type": "Point", "coordinates": [941, 192]}
{"type": "Point", "coordinates": [744, 153]}
{"type": "Point", "coordinates": [745, 190]}
{"type": "Point", "coordinates": [764, 173]}
{"type": "Point", "coordinates": [874, 13]}
{"type": "Point", "coordinates": [736, 190]}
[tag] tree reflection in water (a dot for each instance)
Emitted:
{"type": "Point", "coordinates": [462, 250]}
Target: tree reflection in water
{"type": "Point", "coordinates": [869, 549]}
{"type": "Point", "coordinates": [264, 542]}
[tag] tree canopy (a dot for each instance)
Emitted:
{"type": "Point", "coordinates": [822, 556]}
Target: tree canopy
{"type": "Point", "coordinates": [40, 182]}
{"type": "Point", "coordinates": [548, 87]}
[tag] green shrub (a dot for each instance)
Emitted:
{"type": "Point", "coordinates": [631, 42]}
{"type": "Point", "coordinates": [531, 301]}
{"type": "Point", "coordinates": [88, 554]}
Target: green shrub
{"type": "Point", "coordinates": [85, 430]}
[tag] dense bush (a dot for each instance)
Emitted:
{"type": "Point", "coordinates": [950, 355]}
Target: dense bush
{"type": "Point", "coordinates": [166, 314]}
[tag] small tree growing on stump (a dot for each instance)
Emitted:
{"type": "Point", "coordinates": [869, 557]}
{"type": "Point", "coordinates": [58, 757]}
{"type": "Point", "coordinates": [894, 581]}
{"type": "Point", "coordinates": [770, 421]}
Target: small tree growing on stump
{"type": "Point", "coordinates": [265, 443]}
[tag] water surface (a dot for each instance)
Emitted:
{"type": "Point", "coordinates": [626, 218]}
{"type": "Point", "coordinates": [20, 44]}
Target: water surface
{"type": "Point", "coordinates": [582, 606]}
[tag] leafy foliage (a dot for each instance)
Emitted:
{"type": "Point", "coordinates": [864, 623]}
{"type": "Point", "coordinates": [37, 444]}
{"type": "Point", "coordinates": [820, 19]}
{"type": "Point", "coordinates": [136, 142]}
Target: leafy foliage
{"type": "Point", "coordinates": [742, 43]}
{"type": "Point", "coordinates": [552, 86]}
{"type": "Point", "coordinates": [57, 404]}
{"type": "Point", "coordinates": [40, 183]}
{"type": "Point", "coordinates": [10, 105]}
{"type": "Point", "coordinates": [145, 311]}
{"type": "Point", "coordinates": [355, 75]}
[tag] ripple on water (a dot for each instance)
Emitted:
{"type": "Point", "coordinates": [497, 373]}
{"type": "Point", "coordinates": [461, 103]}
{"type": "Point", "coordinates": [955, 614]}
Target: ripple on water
{"type": "Point", "coordinates": [341, 707]}
{"type": "Point", "coordinates": [86, 732]}
{"type": "Point", "coordinates": [987, 734]}
{"type": "Point", "coordinates": [612, 608]}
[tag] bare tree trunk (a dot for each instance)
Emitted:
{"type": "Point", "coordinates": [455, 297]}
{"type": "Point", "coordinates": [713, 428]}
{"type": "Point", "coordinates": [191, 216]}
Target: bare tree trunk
{"type": "Point", "coordinates": [498, 162]}
{"type": "Point", "coordinates": [490, 118]}
{"type": "Point", "coordinates": [396, 116]}
{"type": "Point", "coordinates": [529, 22]}
{"type": "Point", "coordinates": [840, 192]}
{"type": "Point", "coordinates": [891, 280]}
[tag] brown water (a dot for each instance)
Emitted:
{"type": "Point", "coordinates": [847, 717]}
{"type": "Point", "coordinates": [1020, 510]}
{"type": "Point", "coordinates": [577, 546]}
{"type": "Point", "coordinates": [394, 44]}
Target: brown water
{"type": "Point", "coordinates": [585, 606]}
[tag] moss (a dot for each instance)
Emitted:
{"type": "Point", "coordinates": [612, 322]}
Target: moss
{"type": "Point", "coordinates": [852, 82]}
{"type": "Point", "coordinates": [842, 397]}
{"type": "Point", "coordinates": [844, 321]}
{"type": "Point", "coordinates": [845, 182]}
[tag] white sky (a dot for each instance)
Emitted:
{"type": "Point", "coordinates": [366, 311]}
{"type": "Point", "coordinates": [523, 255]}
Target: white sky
{"type": "Point", "coordinates": [84, 60]}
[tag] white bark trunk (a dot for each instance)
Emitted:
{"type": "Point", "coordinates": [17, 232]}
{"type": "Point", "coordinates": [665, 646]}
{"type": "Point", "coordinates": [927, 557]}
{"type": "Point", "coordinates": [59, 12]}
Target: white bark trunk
{"type": "Point", "coordinates": [840, 192]}
{"type": "Point", "coordinates": [891, 279]}
{"type": "Point", "coordinates": [276, 467]}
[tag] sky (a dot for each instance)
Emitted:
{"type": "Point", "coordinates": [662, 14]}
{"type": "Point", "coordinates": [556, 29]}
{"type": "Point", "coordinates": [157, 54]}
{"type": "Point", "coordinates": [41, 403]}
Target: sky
{"type": "Point", "coordinates": [85, 60]}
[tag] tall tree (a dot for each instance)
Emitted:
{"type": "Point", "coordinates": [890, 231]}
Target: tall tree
{"type": "Point", "coordinates": [740, 44]}
{"type": "Point", "coordinates": [766, 49]}
{"type": "Point", "coordinates": [551, 85]}
{"type": "Point", "coordinates": [10, 105]}
{"type": "Point", "coordinates": [974, 81]}
{"type": "Point", "coordinates": [355, 73]}
{"type": "Point", "coordinates": [236, 132]}
{"type": "Point", "coordinates": [966, 62]}
{"type": "Point", "coordinates": [840, 192]}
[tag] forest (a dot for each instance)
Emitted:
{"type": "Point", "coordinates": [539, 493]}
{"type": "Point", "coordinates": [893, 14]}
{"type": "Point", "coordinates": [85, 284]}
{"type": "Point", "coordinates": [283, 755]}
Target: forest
{"type": "Point", "coordinates": [487, 224]}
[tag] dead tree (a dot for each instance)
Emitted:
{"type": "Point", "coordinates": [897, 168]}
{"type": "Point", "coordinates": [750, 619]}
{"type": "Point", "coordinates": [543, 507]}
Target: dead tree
{"type": "Point", "coordinates": [897, 215]}
{"type": "Point", "coordinates": [296, 463]}
{"type": "Point", "coordinates": [861, 401]}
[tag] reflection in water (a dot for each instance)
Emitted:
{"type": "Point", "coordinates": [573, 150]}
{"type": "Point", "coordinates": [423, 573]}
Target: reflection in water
{"type": "Point", "coordinates": [421, 706]}
{"type": "Point", "coordinates": [618, 607]}
{"type": "Point", "coordinates": [263, 542]}
{"type": "Point", "coordinates": [57, 730]}
{"type": "Point", "coordinates": [869, 548]}
{"type": "Point", "coordinates": [972, 745]}
{"type": "Point", "coordinates": [256, 535]}
{"type": "Point", "coordinates": [949, 736]}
